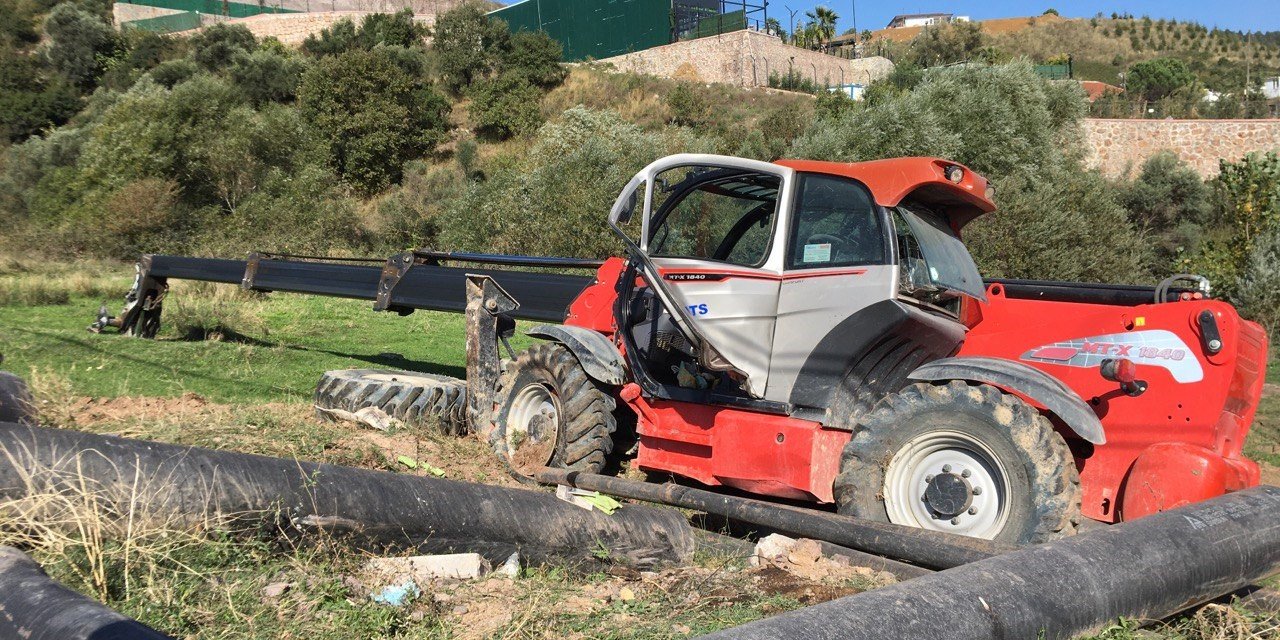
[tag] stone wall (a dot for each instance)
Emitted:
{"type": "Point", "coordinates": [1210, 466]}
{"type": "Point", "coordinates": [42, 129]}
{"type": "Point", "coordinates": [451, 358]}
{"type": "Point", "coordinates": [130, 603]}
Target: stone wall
{"type": "Point", "coordinates": [292, 28]}
{"type": "Point", "coordinates": [1118, 147]}
{"type": "Point", "coordinates": [746, 59]}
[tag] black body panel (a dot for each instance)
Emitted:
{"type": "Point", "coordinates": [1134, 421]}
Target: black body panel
{"type": "Point", "coordinates": [868, 356]}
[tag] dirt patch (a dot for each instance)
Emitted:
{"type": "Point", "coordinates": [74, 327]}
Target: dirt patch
{"type": "Point", "coordinates": [458, 457]}
{"type": "Point", "coordinates": [97, 411]}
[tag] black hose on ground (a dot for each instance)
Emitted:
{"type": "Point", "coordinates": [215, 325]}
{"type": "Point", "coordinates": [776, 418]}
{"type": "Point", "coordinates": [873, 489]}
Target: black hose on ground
{"type": "Point", "coordinates": [931, 549]}
{"type": "Point", "coordinates": [374, 508]}
{"type": "Point", "coordinates": [1147, 569]}
{"type": "Point", "coordinates": [35, 607]}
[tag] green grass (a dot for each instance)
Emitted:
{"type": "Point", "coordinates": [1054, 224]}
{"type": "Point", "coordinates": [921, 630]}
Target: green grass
{"type": "Point", "coordinates": [296, 338]}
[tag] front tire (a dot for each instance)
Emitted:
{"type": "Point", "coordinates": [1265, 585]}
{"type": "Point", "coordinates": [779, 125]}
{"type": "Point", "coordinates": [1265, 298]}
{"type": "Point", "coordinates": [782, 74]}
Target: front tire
{"type": "Point", "coordinates": [549, 413]}
{"type": "Point", "coordinates": [960, 458]}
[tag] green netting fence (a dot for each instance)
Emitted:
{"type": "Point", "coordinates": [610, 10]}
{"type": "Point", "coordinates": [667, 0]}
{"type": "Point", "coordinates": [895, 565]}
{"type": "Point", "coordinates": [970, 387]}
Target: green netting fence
{"type": "Point", "coordinates": [720, 23]}
{"type": "Point", "coordinates": [171, 23]}
{"type": "Point", "coordinates": [215, 7]}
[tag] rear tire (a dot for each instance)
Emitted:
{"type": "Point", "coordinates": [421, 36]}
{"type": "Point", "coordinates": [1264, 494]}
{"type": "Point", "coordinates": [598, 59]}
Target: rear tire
{"type": "Point", "coordinates": [549, 412]}
{"type": "Point", "coordinates": [961, 458]}
{"type": "Point", "coordinates": [417, 399]}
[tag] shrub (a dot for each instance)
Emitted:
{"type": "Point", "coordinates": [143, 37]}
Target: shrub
{"type": "Point", "coordinates": [173, 72]}
{"type": "Point", "coordinates": [1168, 199]}
{"type": "Point", "coordinates": [79, 44]}
{"type": "Point", "coordinates": [1061, 224]}
{"type": "Point", "coordinates": [688, 106]}
{"type": "Point", "coordinates": [1258, 286]}
{"type": "Point", "coordinates": [554, 200]}
{"type": "Point", "coordinates": [946, 44]}
{"type": "Point", "coordinates": [536, 57]}
{"type": "Point", "coordinates": [1019, 130]}
{"type": "Point", "coordinates": [29, 102]}
{"type": "Point", "coordinates": [374, 115]}
{"type": "Point", "coordinates": [505, 106]}
{"type": "Point", "coordinates": [215, 46]}
{"type": "Point", "coordinates": [467, 45]}
{"type": "Point", "coordinates": [1248, 193]}
{"type": "Point", "coordinates": [265, 76]}
{"type": "Point", "coordinates": [389, 29]}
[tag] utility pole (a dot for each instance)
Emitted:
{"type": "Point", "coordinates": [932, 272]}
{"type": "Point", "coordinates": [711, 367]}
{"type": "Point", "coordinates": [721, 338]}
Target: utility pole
{"type": "Point", "coordinates": [792, 33]}
{"type": "Point", "coordinates": [853, 15]}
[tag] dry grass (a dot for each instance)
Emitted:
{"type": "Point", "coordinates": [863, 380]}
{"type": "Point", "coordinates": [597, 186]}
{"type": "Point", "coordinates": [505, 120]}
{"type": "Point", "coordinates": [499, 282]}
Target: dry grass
{"type": "Point", "coordinates": [206, 311]}
{"type": "Point", "coordinates": [53, 396]}
{"type": "Point", "coordinates": [110, 538]}
{"type": "Point", "coordinates": [33, 281]}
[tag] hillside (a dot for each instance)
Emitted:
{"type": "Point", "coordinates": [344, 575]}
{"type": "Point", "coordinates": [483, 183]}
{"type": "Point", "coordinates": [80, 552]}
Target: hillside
{"type": "Point", "coordinates": [1102, 48]}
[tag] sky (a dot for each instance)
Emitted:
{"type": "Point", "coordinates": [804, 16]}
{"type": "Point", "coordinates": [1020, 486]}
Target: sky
{"type": "Point", "coordinates": [1237, 15]}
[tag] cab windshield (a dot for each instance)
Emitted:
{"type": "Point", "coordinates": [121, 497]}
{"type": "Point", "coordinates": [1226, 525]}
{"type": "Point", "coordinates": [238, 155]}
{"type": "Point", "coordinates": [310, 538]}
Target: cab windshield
{"type": "Point", "coordinates": [708, 213]}
{"type": "Point", "coordinates": [932, 257]}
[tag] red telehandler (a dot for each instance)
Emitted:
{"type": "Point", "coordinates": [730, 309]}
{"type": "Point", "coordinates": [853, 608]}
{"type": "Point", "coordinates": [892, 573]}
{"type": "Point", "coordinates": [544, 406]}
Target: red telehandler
{"type": "Point", "coordinates": [817, 331]}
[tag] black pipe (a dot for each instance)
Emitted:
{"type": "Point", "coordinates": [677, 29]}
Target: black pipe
{"type": "Point", "coordinates": [35, 607]}
{"type": "Point", "coordinates": [376, 508]}
{"type": "Point", "coordinates": [933, 549]}
{"type": "Point", "coordinates": [1147, 569]}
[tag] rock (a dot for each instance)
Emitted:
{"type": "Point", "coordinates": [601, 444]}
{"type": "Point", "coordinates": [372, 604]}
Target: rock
{"type": "Point", "coordinates": [772, 547]}
{"type": "Point", "coordinates": [510, 567]}
{"type": "Point", "coordinates": [423, 569]}
{"type": "Point", "coordinates": [276, 589]}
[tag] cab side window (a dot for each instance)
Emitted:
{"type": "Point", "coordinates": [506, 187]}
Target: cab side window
{"type": "Point", "coordinates": [835, 225]}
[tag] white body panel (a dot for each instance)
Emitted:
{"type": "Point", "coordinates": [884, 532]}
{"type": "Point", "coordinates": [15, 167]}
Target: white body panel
{"type": "Point", "coordinates": [737, 313]}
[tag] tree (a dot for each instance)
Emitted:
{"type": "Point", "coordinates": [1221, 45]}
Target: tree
{"type": "Point", "coordinates": [1169, 201]}
{"type": "Point", "coordinates": [823, 21]}
{"type": "Point", "coordinates": [79, 44]}
{"type": "Point", "coordinates": [773, 26]}
{"type": "Point", "coordinates": [1158, 78]}
{"type": "Point", "coordinates": [468, 45]}
{"type": "Point", "coordinates": [374, 115]}
{"type": "Point", "coordinates": [1050, 12]}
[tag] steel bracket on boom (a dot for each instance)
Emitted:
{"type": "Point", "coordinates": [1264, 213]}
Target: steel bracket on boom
{"type": "Point", "coordinates": [392, 272]}
{"type": "Point", "coordinates": [488, 306]}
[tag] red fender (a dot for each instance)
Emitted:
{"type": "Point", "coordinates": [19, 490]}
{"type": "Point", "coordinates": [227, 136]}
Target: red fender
{"type": "Point", "coordinates": [1172, 474]}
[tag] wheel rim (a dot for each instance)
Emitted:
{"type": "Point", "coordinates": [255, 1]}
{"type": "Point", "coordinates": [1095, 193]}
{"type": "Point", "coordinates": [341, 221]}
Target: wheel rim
{"type": "Point", "coordinates": [948, 481]}
{"type": "Point", "coordinates": [532, 425]}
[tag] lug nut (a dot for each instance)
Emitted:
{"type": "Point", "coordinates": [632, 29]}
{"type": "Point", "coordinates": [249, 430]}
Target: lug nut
{"type": "Point", "coordinates": [928, 478]}
{"type": "Point", "coordinates": [977, 491]}
{"type": "Point", "coordinates": [955, 521]}
{"type": "Point", "coordinates": [973, 511]}
{"type": "Point", "coordinates": [966, 473]}
{"type": "Point", "coordinates": [946, 468]}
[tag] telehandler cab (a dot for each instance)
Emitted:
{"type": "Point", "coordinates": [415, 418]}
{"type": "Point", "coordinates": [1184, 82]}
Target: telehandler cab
{"type": "Point", "coordinates": [816, 331]}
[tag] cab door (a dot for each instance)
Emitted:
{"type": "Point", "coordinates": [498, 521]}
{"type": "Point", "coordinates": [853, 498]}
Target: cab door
{"type": "Point", "coordinates": [711, 235]}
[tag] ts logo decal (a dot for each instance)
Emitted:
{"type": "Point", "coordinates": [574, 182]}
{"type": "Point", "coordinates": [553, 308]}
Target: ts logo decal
{"type": "Point", "coordinates": [698, 309]}
{"type": "Point", "coordinates": [1156, 347]}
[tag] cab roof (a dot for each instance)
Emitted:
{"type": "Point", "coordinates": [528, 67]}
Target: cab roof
{"type": "Point", "coordinates": [922, 179]}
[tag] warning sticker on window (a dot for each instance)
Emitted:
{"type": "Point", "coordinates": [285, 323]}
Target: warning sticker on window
{"type": "Point", "coordinates": [817, 252]}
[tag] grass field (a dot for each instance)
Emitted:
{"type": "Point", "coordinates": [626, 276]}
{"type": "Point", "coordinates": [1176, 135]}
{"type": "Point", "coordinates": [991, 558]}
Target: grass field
{"type": "Point", "coordinates": [235, 371]}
